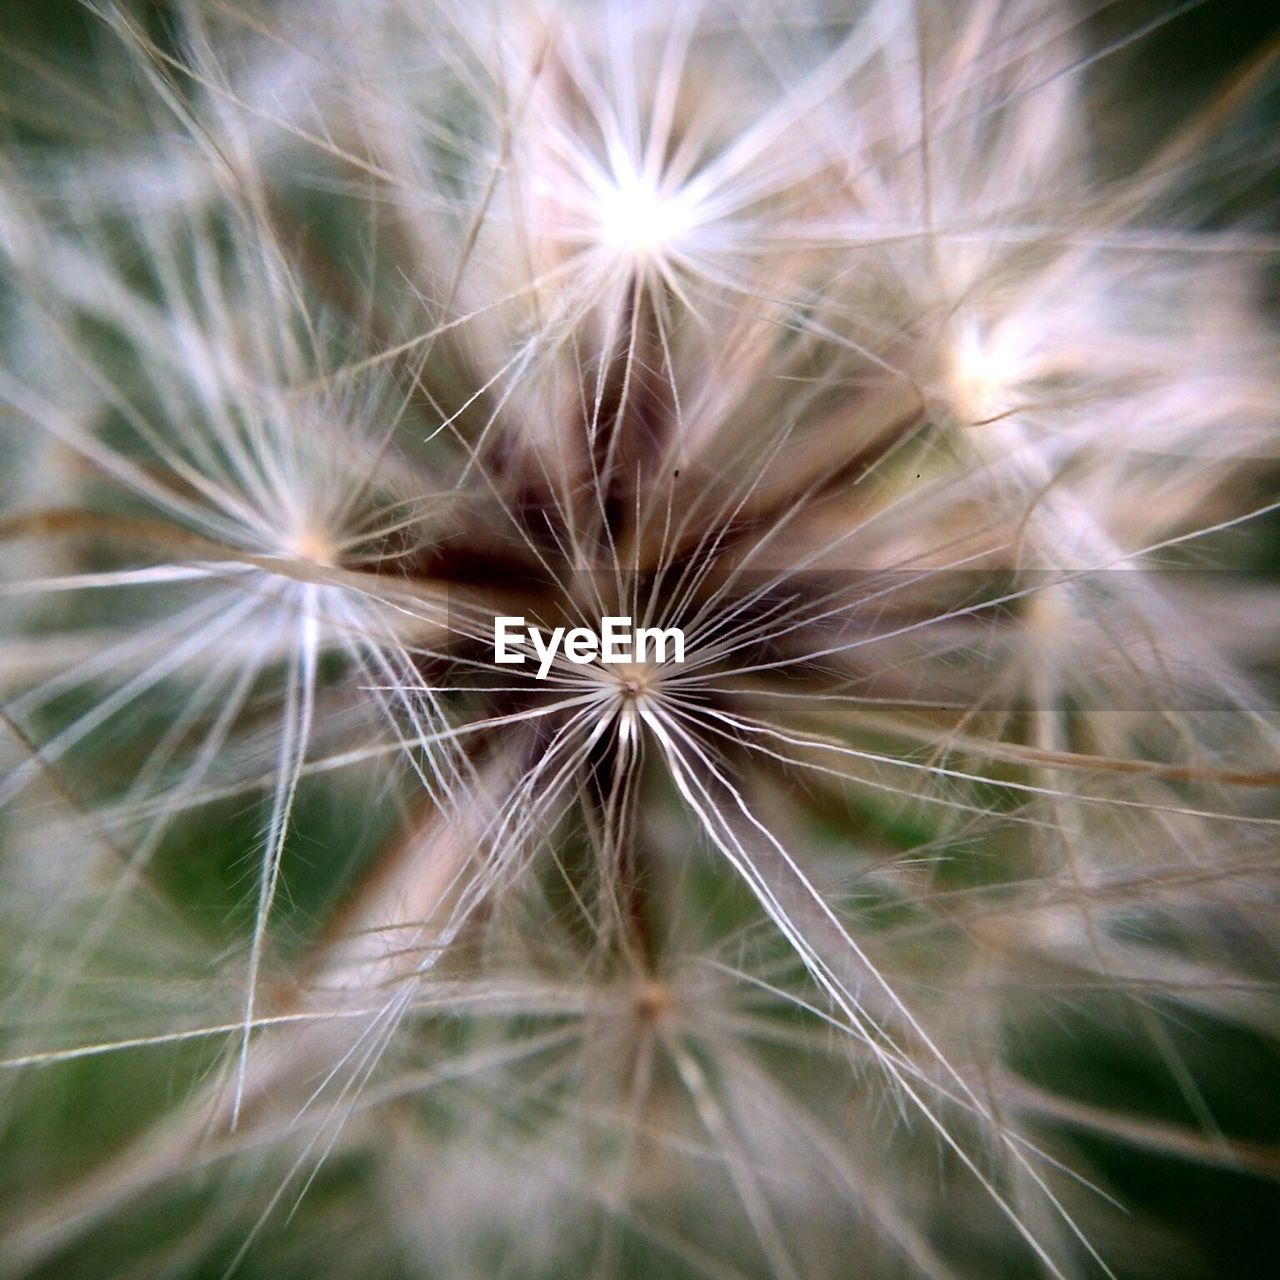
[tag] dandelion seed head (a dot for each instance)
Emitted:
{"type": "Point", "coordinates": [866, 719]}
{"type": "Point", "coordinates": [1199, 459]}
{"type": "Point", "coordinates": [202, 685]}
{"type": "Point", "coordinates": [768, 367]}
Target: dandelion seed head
{"type": "Point", "coordinates": [681, 310]}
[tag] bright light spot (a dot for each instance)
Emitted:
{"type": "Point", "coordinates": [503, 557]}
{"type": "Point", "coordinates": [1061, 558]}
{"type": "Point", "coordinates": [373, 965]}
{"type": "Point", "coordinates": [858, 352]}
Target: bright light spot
{"type": "Point", "coordinates": [309, 545]}
{"type": "Point", "coordinates": [980, 376]}
{"type": "Point", "coordinates": [639, 220]}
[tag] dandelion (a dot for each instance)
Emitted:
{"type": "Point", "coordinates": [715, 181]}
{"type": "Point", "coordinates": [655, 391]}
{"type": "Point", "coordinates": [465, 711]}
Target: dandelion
{"type": "Point", "coordinates": [371, 906]}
